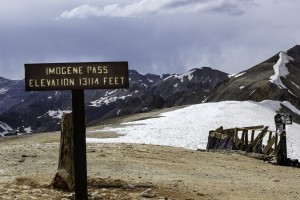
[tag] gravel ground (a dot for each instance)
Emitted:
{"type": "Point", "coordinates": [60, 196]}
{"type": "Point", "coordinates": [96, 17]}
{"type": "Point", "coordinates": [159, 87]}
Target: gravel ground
{"type": "Point", "coordinates": [29, 163]}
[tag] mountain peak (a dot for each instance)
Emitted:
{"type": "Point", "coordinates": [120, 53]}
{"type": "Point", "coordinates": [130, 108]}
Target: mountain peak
{"type": "Point", "coordinates": [206, 68]}
{"type": "Point", "coordinates": [294, 52]}
{"type": "Point", "coordinates": [296, 47]}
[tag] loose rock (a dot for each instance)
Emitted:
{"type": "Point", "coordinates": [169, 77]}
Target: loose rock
{"type": "Point", "coordinates": [149, 193]}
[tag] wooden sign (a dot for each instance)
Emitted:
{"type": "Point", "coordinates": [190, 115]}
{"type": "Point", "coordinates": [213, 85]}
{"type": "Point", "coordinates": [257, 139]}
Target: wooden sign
{"type": "Point", "coordinates": [75, 76]}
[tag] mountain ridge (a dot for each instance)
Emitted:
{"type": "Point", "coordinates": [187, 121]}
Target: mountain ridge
{"type": "Point", "coordinates": [275, 79]}
{"type": "Point", "coordinates": [41, 111]}
{"type": "Point", "coordinates": [258, 83]}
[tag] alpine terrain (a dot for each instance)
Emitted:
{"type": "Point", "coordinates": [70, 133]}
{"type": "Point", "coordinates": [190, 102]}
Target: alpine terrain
{"type": "Point", "coordinates": [158, 154]}
{"type": "Point", "coordinates": [28, 112]}
{"type": "Point", "coordinates": [275, 79]}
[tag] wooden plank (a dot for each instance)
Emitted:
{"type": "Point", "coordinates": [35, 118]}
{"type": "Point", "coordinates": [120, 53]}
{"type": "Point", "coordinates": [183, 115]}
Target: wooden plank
{"type": "Point", "coordinates": [214, 140]}
{"type": "Point", "coordinates": [211, 134]}
{"type": "Point", "coordinates": [242, 147]}
{"type": "Point", "coordinates": [252, 136]}
{"type": "Point", "coordinates": [254, 127]}
{"type": "Point", "coordinates": [215, 134]}
{"type": "Point", "coordinates": [270, 136]}
{"type": "Point", "coordinates": [229, 130]}
{"type": "Point", "coordinates": [237, 143]}
{"type": "Point", "coordinates": [235, 136]}
{"type": "Point", "coordinates": [271, 151]}
{"type": "Point", "coordinates": [246, 139]}
{"type": "Point", "coordinates": [223, 136]}
{"type": "Point", "coordinates": [250, 128]}
{"type": "Point", "coordinates": [218, 135]}
{"type": "Point", "coordinates": [259, 138]}
{"type": "Point", "coordinates": [269, 145]}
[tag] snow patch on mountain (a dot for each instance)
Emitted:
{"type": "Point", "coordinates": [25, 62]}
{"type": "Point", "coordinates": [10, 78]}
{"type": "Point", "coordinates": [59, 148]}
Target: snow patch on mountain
{"type": "Point", "coordinates": [188, 74]}
{"type": "Point", "coordinates": [57, 113]}
{"type": "Point", "coordinates": [107, 100]}
{"type": "Point", "coordinates": [297, 86]}
{"type": "Point", "coordinates": [3, 90]}
{"type": "Point", "coordinates": [189, 127]}
{"type": "Point", "coordinates": [28, 130]}
{"type": "Point", "coordinates": [281, 69]}
{"type": "Point", "coordinates": [240, 74]}
{"type": "Point", "coordinates": [4, 128]}
{"type": "Point", "coordinates": [252, 92]}
{"type": "Point", "coordinates": [119, 112]}
{"type": "Point", "coordinates": [109, 93]}
{"type": "Point", "coordinates": [150, 80]}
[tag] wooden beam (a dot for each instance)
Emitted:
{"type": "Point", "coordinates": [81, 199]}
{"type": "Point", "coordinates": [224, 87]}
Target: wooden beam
{"type": "Point", "coordinates": [79, 145]}
{"type": "Point", "coordinates": [259, 138]}
{"type": "Point", "coordinates": [251, 128]}
{"type": "Point", "coordinates": [235, 137]}
{"type": "Point", "coordinates": [252, 136]}
{"type": "Point", "coordinates": [246, 140]}
{"type": "Point", "coordinates": [270, 136]}
{"type": "Point", "coordinates": [269, 146]}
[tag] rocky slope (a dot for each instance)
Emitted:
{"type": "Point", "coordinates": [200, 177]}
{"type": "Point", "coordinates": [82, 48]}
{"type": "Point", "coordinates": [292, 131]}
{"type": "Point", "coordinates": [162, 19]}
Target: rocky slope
{"type": "Point", "coordinates": [277, 79]}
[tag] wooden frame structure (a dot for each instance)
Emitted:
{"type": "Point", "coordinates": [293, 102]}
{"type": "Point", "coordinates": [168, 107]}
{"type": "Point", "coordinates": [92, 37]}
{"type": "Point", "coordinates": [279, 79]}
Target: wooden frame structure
{"type": "Point", "coordinates": [256, 139]}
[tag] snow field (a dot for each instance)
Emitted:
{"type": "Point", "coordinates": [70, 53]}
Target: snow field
{"type": "Point", "coordinates": [189, 127]}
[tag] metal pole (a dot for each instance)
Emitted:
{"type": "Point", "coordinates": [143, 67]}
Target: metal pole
{"type": "Point", "coordinates": [79, 145]}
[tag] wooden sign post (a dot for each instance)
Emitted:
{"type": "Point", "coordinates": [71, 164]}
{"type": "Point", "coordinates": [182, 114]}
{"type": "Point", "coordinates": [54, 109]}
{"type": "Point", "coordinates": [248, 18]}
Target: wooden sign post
{"type": "Point", "coordinates": [79, 145]}
{"type": "Point", "coordinates": [77, 77]}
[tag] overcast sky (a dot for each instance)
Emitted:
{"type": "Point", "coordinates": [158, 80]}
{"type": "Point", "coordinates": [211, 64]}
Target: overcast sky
{"type": "Point", "coordinates": [154, 36]}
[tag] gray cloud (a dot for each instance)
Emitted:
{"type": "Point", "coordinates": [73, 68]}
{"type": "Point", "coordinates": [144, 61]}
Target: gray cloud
{"type": "Point", "coordinates": [150, 7]}
{"type": "Point", "coordinates": [164, 36]}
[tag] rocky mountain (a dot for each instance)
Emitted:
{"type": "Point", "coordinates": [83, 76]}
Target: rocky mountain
{"type": "Point", "coordinates": [188, 88]}
{"type": "Point", "coordinates": [11, 93]}
{"type": "Point", "coordinates": [276, 79]}
{"type": "Point", "coordinates": [27, 112]}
